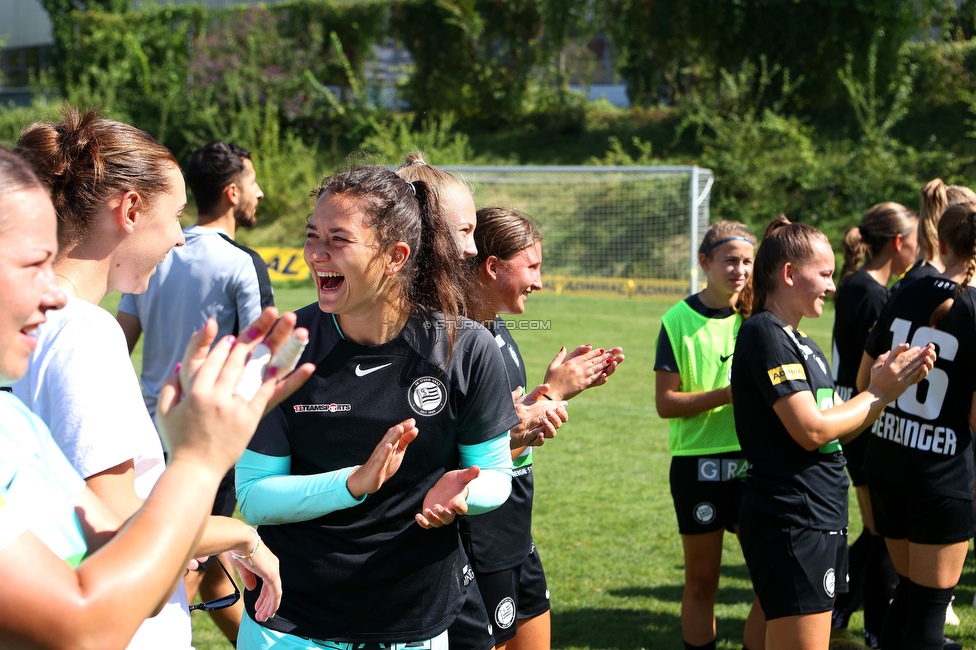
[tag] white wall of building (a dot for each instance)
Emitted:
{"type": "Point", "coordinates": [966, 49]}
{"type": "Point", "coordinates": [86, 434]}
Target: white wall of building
{"type": "Point", "coordinates": [24, 23]}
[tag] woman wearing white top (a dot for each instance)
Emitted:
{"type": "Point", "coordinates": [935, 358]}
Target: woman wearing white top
{"type": "Point", "coordinates": [119, 195]}
{"type": "Point", "coordinates": [71, 576]}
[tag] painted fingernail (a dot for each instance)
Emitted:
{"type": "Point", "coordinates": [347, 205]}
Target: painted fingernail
{"type": "Point", "coordinates": [231, 339]}
{"type": "Point", "coordinates": [176, 370]}
{"type": "Point", "coordinates": [602, 350]}
{"type": "Point", "coordinates": [272, 371]}
{"type": "Point", "coordinates": [252, 333]}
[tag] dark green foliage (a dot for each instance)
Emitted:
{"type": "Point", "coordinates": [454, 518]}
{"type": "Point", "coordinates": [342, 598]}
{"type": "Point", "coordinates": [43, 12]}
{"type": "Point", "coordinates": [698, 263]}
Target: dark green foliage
{"type": "Point", "coordinates": [131, 64]}
{"type": "Point", "coordinates": [667, 48]}
{"type": "Point", "coordinates": [818, 108]}
{"type": "Point", "coordinates": [767, 161]}
{"type": "Point", "coordinates": [472, 58]}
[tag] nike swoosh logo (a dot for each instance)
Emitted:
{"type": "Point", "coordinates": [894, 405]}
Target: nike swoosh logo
{"type": "Point", "coordinates": [726, 357]}
{"type": "Point", "coordinates": [362, 373]}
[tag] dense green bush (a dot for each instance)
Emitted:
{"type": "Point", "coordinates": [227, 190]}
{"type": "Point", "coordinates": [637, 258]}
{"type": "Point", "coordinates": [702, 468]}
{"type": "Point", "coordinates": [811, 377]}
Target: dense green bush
{"type": "Point", "coordinates": [472, 58]}
{"type": "Point", "coordinates": [833, 109]}
{"type": "Point", "coordinates": [671, 48]}
{"type": "Point", "coordinates": [767, 161]}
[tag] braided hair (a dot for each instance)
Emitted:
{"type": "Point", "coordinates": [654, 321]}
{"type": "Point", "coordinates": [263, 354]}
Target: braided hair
{"type": "Point", "coordinates": [957, 229]}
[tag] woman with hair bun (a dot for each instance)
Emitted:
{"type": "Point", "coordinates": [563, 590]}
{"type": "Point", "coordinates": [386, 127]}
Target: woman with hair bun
{"type": "Point", "coordinates": [919, 460]}
{"type": "Point", "coordinates": [936, 197]}
{"type": "Point", "coordinates": [365, 526]}
{"type": "Point", "coordinates": [119, 196]}
{"type": "Point", "coordinates": [694, 359]}
{"type": "Point", "coordinates": [790, 423]}
{"type": "Point", "coordinates": [72, 575]}
{"type": "Point", "coordinates": [882, 246]}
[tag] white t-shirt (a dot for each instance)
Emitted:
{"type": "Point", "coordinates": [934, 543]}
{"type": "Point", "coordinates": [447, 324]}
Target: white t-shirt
{"type": "Point", "coordinates": [82, 384]}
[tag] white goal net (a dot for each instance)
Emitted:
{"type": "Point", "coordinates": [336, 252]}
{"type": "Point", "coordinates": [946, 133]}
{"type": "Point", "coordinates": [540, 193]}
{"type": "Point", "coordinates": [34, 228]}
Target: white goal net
{"type": "Point", "coordinates": [626, 230]}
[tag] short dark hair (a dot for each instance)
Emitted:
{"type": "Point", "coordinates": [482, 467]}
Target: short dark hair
{"type": "Point", "coordinates": [211, 169]}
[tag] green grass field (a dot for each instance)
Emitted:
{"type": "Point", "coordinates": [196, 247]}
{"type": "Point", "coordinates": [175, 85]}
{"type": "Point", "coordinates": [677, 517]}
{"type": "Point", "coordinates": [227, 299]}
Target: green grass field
{"type": "Point", "coordinates": [604, 522]}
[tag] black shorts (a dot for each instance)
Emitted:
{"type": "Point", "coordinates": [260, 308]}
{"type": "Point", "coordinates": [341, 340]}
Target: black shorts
{"type": "Point", "coordinates": [226, 499]}
{"type": "Point", "coordinates": [905, 512]}
{"type": "Point", "coordinates": [514, 595]}
{"type": "Point", "coordinates": [707, 491]}
{"type": "Point", "coordinates": [533, 588]}
{"type": "Point", "coordinates": [471, 630]}
{"type": "Point", "coordinates": [795, 570]}
{"type": "Point", "coordinates": [505, 597]}
{"type": "Point", "coordinates": [855, 451]}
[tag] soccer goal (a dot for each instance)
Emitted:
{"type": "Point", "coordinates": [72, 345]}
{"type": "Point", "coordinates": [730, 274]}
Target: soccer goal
{"type": "Point", "coordinates": [624, 230]}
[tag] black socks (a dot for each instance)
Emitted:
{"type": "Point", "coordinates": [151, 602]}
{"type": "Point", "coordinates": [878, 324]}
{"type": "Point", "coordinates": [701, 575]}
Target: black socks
{"type": "Point", "coordinates": [916, 617]}
{"type": "Point", "coordinates": [893, 630]}
{"type": "Point", "coordinates": [926, 619]}
{"type": "Point", "coordinates": [707, 646]}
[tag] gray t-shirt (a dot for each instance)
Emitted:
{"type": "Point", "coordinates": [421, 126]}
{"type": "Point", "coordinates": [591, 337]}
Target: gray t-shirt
{"type": "Point", "coordinates": [211, 275]}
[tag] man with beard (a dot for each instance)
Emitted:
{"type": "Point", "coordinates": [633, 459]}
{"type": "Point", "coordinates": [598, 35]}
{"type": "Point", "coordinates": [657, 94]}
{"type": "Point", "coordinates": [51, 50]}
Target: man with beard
{"type": "Point", "coordinates": [210, 276]}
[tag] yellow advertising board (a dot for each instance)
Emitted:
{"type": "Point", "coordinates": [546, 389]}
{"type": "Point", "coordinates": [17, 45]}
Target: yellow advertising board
{"type": "Point", "coordinates": [284, 264]}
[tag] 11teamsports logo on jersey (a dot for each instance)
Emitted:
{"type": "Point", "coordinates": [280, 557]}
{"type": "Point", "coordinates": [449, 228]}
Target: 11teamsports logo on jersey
{"type": "Point", "coordinates": [427, 396]}
{"type": "Point", "coordinates": [322, 408]}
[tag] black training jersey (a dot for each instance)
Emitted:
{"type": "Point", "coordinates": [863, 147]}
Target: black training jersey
{"type": "Point", "coordinates": [800, 487]}
{"type": "Point", "coordinates": [370, 572]}
{"type": "Point", "coordinates": [665, 358]}
{"type": "Point", "coordinates": [923, 437]}
{"type": "Point", "coordinates": [919, 270]}
{"type": "Point", "coordinates": [857, 304]}
{"type": "Point", "coordinates": [501, 539]}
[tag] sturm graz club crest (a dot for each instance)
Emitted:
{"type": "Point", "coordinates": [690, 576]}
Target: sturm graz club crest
{"type": "Point", "coordinates": [828, 583]}
{"type": "Point", "coordinates": [505, 613]}
{"type": "Point", "coordinates": [427, 396]}
{"type": "Point", "coordinates": [704, 513]}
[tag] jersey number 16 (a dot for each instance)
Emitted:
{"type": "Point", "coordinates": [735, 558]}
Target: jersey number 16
{"type": "Point", "coordinates": [937, 379]}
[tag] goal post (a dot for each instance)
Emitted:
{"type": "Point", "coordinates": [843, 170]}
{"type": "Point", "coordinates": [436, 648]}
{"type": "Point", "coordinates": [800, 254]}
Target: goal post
{"type": "Point", "coordinates": [624, 230]}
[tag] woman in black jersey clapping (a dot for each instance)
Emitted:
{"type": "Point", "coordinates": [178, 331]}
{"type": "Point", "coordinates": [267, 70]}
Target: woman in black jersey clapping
{"type": "Point", "coordinates": [510, 575]}
{"type": "Point", "coordinates": [886, 243]}
{"type": "Point", "coordinates": [364, 526]}
{"type": "Point", "coordinates": [794, 506]}
{"type": "Point", "coordinates": [919, 461]}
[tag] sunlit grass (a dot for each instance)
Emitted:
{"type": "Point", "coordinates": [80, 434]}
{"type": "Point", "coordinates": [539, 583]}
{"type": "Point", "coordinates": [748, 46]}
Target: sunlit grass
{"type": "Point", "coordinates": [604, 521]}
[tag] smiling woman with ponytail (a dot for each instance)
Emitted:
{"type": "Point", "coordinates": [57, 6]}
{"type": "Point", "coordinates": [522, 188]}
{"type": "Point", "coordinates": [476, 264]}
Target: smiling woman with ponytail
{"type": "Point", "coordinates": [363, 525]}
{"type": "Point", "coordinates": [919, 461]}
{"type": "Point", "coordinates": [790, 423]}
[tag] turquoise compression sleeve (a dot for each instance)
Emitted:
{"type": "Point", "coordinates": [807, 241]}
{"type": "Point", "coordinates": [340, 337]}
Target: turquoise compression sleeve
{"type": "Point", "coordinates": [269, 494]}
{"type": "Point", "coordinates": [494, 484]}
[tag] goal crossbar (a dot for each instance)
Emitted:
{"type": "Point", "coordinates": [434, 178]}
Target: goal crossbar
{"type": "Point", "coordinates": [606, 224]}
